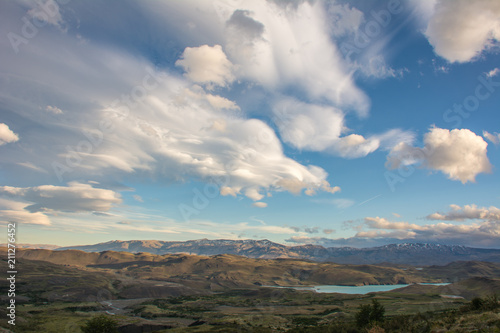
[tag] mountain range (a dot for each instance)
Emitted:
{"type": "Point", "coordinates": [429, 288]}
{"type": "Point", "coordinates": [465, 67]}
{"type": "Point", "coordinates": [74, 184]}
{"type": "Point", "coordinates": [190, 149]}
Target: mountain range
{"type": "Point", "coordinates": [414, 254]}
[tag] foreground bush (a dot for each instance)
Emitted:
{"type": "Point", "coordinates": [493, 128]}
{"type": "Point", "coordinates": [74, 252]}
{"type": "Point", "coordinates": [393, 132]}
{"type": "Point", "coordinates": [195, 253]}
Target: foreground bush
{"type": "Point", "coordinates": [100, 324]}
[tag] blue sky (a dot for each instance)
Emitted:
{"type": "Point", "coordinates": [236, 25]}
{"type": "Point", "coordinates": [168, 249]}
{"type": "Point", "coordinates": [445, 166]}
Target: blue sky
{"type": "Point", "coordinates": [337, 123]}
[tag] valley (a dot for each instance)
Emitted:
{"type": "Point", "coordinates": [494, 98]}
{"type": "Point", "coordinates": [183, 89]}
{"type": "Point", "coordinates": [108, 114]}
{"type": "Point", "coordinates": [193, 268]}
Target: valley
{"type": "Point", "coordinates": [61, 290]}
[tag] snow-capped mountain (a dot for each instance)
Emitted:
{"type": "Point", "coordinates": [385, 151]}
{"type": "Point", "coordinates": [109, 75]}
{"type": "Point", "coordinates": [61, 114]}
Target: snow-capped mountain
{"type": "Point", "coordinates": [404, 253]}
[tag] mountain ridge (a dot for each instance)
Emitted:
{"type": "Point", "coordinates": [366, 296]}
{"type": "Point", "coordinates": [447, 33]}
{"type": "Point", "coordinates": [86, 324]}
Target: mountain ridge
{"type": "Point", "coordinates": [402, 253]}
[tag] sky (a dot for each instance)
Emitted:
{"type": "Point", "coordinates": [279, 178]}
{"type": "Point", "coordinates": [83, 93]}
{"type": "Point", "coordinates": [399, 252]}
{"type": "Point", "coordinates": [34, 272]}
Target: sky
{"type": "Point", "coordinates": [335, 123]}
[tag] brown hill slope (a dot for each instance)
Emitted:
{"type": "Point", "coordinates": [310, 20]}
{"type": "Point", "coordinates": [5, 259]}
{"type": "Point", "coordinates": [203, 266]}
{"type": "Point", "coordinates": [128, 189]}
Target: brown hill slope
{"type": "Point", "coordinates": [226, 270]}
{"type": "Point", "coordinates": [230, 271]}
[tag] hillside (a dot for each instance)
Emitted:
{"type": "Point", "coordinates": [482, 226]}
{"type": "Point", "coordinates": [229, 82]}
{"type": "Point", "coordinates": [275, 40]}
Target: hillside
{"type": "Point", "coordinates": [467, 288]}
{"type": "Point", "coordinates": [226, 270]}
{"type": "Point", "coordinates": [409, 253]}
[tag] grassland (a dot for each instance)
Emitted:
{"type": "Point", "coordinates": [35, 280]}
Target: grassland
{"type": "Point", "coordinates": [59, 291]}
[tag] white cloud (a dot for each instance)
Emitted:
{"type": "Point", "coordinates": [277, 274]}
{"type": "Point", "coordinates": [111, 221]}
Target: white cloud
{"type": "Point", "coordinates": [53, 109]}
{"type": "Point", "coordinates": [13, 211]}
{"type": "Point", "coordinates": [493, 72]}
{"type": "Point", "coordinates": [228, 191]}
{"type": "Point", "coordinates": [321, 128]}
{"type": "Point", "coordinates": [382, 223]}
{"type": "Point", "coordinates": [32, 166]}
{"type": "Point", "coordinates": [398, 234]}
{"type": "Point", "coordinates": [215, 101]}
{"type": "Point", "coordinates": [46, 11]}
{"type": "Point", "coordinates": [6, 135]}
{"type": "Point", "coordinates": [493, 138]}
{"type": "Point", "coordinates": [253, 194]}
{"type": "Point", "coordinates": [305, 126]}
{"type": "Point", "coordinates": [207, 65]}
{"type": "Point", "coordinates": [292, 49]}
{"type": "Point", "coordinates": [343, 19]}
{"type": "Point", "coordinates": [260, 204]}
{"type": "Point", "coordinates": [219, 102]}
{"type": "Point", "coordinates": [73, 198]}
{"type": "Point", "coordinates": [424, 10]}
{"type": "Point", "coordinates": [468, 212]}
{"type": "Point", "coordinates": [377, 67]}
{"type": "Point", "coordinates": [25, 217]}
{"type": "Point", "coordinates": [171, 130]}
{"type": "Point", "coordinates": [460, 30]}
{"type": "Point", "coordinates": [377, 231]}
{"type": "Point", "coordinates": [476, 234]}
{"type": "Point", "coordinates": [459, 153]}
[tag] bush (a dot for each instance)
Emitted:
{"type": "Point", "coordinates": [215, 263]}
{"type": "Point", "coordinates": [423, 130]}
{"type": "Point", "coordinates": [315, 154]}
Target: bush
{"type": "Point", "coordinates": [370, 314]}
{"type": "Point", "coordinates": [100, 324]}
{"type": "Point", "coordinates": [377, 313]}
{"type": "Point", "coordinates": [489, 303]}
{"type": "Point", "coordinates": [476, 304]}
{"type": "Point", "coordinates": [363, 315]}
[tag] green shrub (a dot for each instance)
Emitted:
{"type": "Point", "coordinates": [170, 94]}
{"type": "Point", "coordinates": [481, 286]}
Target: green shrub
{"type": "Point", "coordinates": [100, 324]}
{"type": "Point", "coordinates": [370, 314]}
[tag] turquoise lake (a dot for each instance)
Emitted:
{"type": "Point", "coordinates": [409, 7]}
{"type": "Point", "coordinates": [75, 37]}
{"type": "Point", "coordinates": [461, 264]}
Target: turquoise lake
{"type": "Point", "coordinates": [358, 289]}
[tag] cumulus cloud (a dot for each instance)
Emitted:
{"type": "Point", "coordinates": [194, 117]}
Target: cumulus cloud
{"type": "Point", "coordinates": [479, 234]}
{"type": "Point", "coordinates": [6, 135]}
{"type": "Point", "coordinates": [382, 223]}
{"type": "Point", "coordinates": [377, 231]}
{"type": "Point", "coordinates": [253, 194]}
{"type": "Point", "coordinates": [485, 232]}
{"type": "Point", "coordinates": [460, 154]}
{"type": "Point", "coordinates": [73, 198]}
{"type": "Point", "coordinates": [460, 30]}
{"type": "Point", "coordinates": [207, 65]}
{"type": "Point", "coordinates": [259, 204]}
{"type": "Point", "coordinates": [467, 212]}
